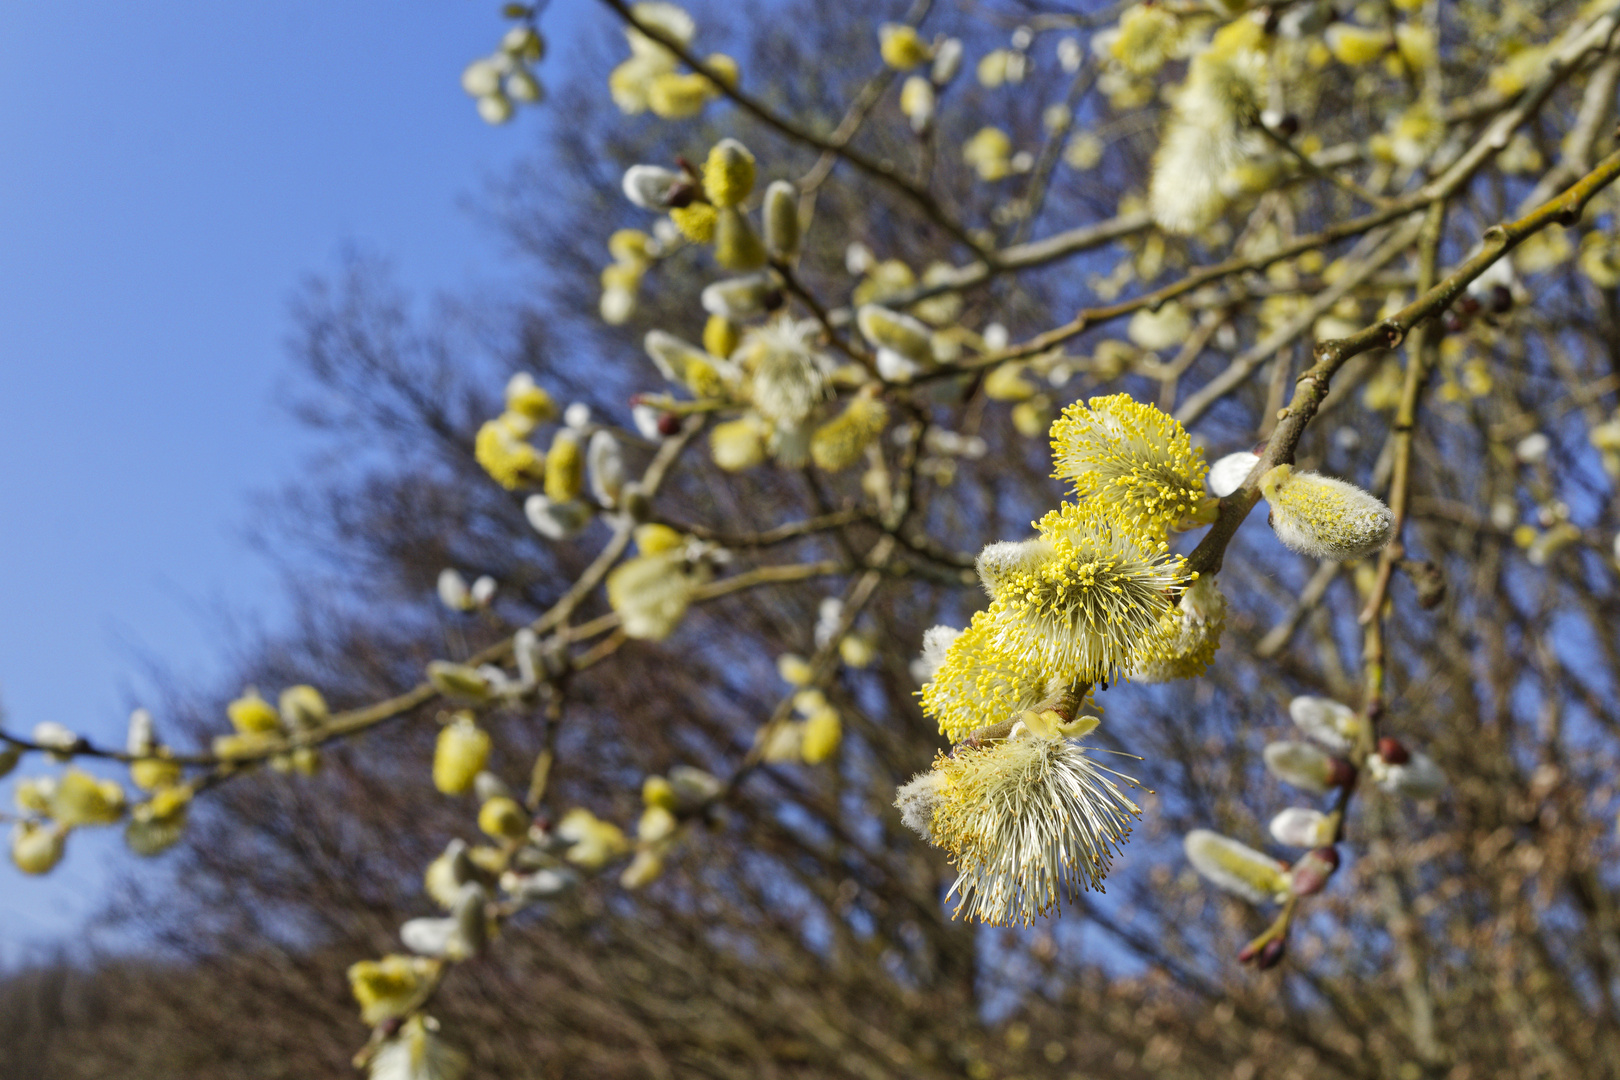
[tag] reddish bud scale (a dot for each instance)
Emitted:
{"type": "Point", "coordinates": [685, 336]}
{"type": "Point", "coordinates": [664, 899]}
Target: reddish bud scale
{"type": "Point", "coordinates": [1393, 751]}
{"type": "Point", "coordinates": [668, 424]}
{"type": "Point", "coordinates": [1343, 774]}
{"type": "Point", "coordinates": [1272, 954]}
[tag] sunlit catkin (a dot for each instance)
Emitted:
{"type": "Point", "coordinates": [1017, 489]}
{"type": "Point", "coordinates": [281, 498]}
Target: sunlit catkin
{"type": "Point", "coordinates": [1323, 517]}
{"type": "Point", "coordinates": [1027, 820]}
{"type": "Point", "coordinates": [728, 174]}
{"type": "Point", "coordinates": [1133, 458]}
{"type": "Point", "coordinates": [842, 441]}
{"type": "Point", "coordinates": [976, 685]}
{"type": "Point", "coordinates": [1191, 634]}
{"type": "Point", "coordinates": [1235, 867]}
{"type": "Point", "coordinates": [565, 467]}
{"type": "Point", "coordinates": [460, 753]}
{"type": "Point", "coordinates": [1091, 610]}
{"type": "Point", "coordinates": [781, 216]}
{"type": "Point", "coordinates": [1205, 137]}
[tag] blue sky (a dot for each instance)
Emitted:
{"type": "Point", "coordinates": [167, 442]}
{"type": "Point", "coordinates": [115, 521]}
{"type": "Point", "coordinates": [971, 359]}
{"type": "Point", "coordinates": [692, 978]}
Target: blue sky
{"type": "Point", "coordinates": [171, 173]}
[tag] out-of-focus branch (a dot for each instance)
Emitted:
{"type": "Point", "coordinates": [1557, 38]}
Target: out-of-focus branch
{"type": "Point", "coordinates": [881, 171]}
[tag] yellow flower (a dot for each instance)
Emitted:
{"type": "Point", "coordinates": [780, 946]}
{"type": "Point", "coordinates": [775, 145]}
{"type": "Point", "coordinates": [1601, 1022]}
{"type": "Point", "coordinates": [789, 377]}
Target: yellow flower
{"type": "Point", "coordinates": [1088, 611]}
{"type": "Point", "coordinates": [81, 799]}
{"type": "Point", "coordinates": [676, 96]}
{"type": "Point", "coordinates": [977, 685]}
{"type": "Point", "coordinates": [459, 755]}
{"type": "Point", "coordinates": [595, 842]}
{"type": "Point", "coordinates": [696, 221]}
{"type": "Point", "coordinates": [901, 47]}
{"type": "Point", "coordinates": [503, 818]}
{"type": "Point", "coordinates": [1356, 45]}
{"type": "Point", "coordinates": [151, 773]}
{"type": "Point", "coordinates": [651, 592]}
{"type": "Point", "coordinates": [1192, 634]}
{"type": "Point", "coordinates": [1025, 820]}
{"type": "Point", "coordinates": [1148, 36]}
{"type": "Point", "coordinates": [720, 336]}
{"type": "Point", "coordinates": [1133, 458]}
{"type": "Point", "coordinates": [736, 245]}
{"type": "Point", "coordinates": [738, 444]}
{"type": "Point", "coordinates": [841, 441]}
{"type": "Point", "coordinates": [988, 152]}
{"type": "Point", "coordinates": [565, 467]}
{"type": "Point", "coordinates": [390, 987]}
{"type": "Point", "coordinates": [252, 715]}
{"type": "Point", "coordinates": [525, 398]}
{"type": "Point", "coordinates": [505, 456]}
{"type": "Point", "coordinates": [822, 733]}
{"type": "Point", "coordinates": [37, 848]}
{"type": "Point", "coordinates": [728, 173]}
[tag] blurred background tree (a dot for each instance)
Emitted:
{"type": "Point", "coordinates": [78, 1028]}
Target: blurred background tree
{"type": "Point", "coordinates": [796, 929]}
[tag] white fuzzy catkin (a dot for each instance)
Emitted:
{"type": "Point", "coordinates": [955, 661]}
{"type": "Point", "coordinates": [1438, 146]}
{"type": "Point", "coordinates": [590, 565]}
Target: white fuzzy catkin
{"type": "Point", "coordinates": [1302, 827]}
{"type": "Point", "coordinates": [1323, 517]}
{"type": "Point", "coordinates": [1228, 474]}
{"type": "Point", "coordinates": [1235, 867]}
{"type": "Point", "coordinates": [916, 800]}
{"type": "Point", "coordinates": [1205, 138]}
{"type": "Point", "coordinates": [1326, 721]}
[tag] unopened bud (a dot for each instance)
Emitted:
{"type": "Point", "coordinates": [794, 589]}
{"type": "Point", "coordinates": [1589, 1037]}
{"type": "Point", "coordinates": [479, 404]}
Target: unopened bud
{"type": "Point", "coordinates": [1310, 874]}
{"type": "Point", "coordinates": [1272, 954]}
{"type": "Point", "coordinates": [1393, 751]}
{"type": "Point", "coordinates": [781, 214]}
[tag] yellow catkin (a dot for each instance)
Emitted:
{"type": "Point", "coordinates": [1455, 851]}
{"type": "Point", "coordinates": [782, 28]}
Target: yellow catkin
{"type": "Point", "coordinates": [978, 686]}
{"type": "Point", "coordinates": [728, 173]}
{"type": "Point", "coordinates": [527, 399]}
{"type": "Point", "coordinates": [1191, 633]}
{"type": "Point", "coordinates": [720, 336]}
{"type": "Point", "coordinates": [508, 459]}
{"type": "Point", "coordinates": [1026, 820]}
{"type": "Point", "coordinates": [252, 715]}
{"type": "Point", "coordinates": [1133, 458]}
{"type": "Point", "coordinates": [1148, 36]}
{"type": "Point", "coordinates": [565, 468]}
{"type": "Point", "coordinates": [676, 96]}
{"type": "Point", "coordinates": [842, 441]}
{"type": "Point", "coordinates": [389, 987]}
{"type": "Point", "coordinates": [736, 245]}
{"type": "Point", "coordinates": [459, 755]}
{"type": "Point", "coordinates": [1323, 517]}
{"type": "Point", "coordinates": [1091, 610]}
{"type": "Point", "coordinates": [696, 221]}
{"type": "Point", "coordinates": [901, 47]}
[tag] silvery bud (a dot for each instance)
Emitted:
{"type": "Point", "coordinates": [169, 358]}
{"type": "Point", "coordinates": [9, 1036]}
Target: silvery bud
{"type": "Point", "coordinates": [453, 591]}
{"type": "Point", "coordinates": [1416, 778]}
{"type": "Point", "coordinates": [1228, 474]}
{"type": "Point", "coordinates": [781, 214]}
{"type": "Point", "coordinates": [482, 593]}
{"type": "Point", "coordinates": [947, 61]}
{"type": "Point", "coordinates": [1235, 867]}
{"type": "Point", "coordinates": [1333, 725]}
{"type": "Point", "coordinates": [889, 329]}
{"type": "Point", "coordinates": [142, 739]}
{"type": "Point", "coordinates": [1302, 827]}
{"type": "Point", "coordinates": [556, 520]}
{"type": "Point", "coordinates": [742, 298]}
{"type": "Point", "coordinates": [651, 187]}
{"type": "Point", "coordinates": [1307, 767]}
{"type": "Point", "coordinates": [604, 467]}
